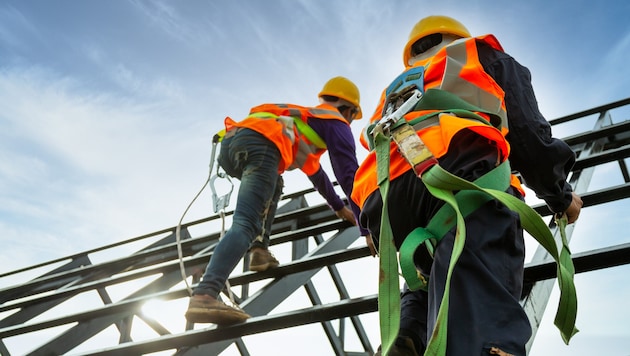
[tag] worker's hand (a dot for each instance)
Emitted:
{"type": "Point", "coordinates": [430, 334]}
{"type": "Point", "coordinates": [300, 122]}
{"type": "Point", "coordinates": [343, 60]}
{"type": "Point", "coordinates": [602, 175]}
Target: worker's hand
{"type": "Point", "coordinates": [346, 214]}
{"type": "Point", "coordinates": [573, 211]}
{"type": "Point", "coordinates": [370, 244]}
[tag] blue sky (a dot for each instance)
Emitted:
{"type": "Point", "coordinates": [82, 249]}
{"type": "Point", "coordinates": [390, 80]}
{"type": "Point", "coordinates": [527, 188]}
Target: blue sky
{"type": "Point", "coordinates": [107, 109]}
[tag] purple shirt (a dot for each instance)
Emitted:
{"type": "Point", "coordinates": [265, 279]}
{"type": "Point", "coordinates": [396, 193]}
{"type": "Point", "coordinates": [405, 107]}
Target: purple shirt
{"type": "Point", "coordinates": [342, 152]}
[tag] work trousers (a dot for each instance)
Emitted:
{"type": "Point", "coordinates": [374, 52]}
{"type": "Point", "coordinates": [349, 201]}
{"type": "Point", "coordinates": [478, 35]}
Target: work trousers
{"type": "Point", "coordinates": [254, 160]}
{"type": "Point", "coordinates": [486, 285]}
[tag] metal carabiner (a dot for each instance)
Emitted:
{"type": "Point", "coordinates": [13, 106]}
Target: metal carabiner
{"type": "Point", "coordinates": [221, 202]}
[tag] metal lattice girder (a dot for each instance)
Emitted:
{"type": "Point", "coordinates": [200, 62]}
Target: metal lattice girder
{"type": "Point", "coordinates": [584, 262]}
{"type": "Point", "coordinates": [295, 223]}
{"type": "Point", "coordinates": [587, 145]}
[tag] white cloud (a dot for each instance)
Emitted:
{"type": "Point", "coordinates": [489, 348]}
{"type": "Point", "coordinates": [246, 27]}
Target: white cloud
{"type": "Point", "coordinates": [84, 163]}
{"type": "Point", "coordinates": [101, 166]}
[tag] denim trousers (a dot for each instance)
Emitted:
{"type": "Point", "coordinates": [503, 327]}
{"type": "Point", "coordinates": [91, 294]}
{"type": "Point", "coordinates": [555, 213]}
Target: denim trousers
{"type": "Point", "coordinates": [254, 160]}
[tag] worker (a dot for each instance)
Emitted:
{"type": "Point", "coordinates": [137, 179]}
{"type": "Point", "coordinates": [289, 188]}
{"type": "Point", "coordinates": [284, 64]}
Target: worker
{"type": "Point", "coordinates": [477, 109]}
{"type": "Point", "coordinates": [274, 138]}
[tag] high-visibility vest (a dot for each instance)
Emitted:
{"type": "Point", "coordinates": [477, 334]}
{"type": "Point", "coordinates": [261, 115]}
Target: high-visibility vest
{"type": "Point", "coordinates": [454, 69]}
{"type": "Point", "coordinates": [458, 95]}
{"type": "Point", "coordinates": [286, 125]}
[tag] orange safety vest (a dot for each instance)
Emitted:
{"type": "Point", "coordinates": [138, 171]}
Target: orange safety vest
{"type": "Point", "coordinates": [454, 69]}
{"type": "Point", "coordinates": [286, 125]}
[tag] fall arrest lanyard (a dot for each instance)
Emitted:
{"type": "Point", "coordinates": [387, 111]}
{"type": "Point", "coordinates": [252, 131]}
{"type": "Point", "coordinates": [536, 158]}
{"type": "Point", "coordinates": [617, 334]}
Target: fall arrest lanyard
{"type": "Point", "coordinates": [219, 202]}
{"type": "Point", "coordinates": [219, 205]}
{"type": "Point", "coordinates": [470, 196]}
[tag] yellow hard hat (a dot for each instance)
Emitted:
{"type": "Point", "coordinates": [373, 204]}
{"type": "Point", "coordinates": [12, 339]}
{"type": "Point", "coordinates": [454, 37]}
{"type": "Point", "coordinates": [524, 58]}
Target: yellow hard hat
{"type": "Point", "coordinates": [430, 25]}
{"type": "Point", "coordinates": [345, 89]}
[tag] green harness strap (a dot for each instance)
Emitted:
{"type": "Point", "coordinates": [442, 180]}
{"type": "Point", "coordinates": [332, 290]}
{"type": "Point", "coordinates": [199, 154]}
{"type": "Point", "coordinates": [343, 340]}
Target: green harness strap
{"type": "Point", "coordinates": [302, 126]}
{"type": "Point", "coordinates": [442, 222]}
{"type": "Point", "coordinates": [388, 283]}
{"type": "Point", "coordinates": [441, 184]}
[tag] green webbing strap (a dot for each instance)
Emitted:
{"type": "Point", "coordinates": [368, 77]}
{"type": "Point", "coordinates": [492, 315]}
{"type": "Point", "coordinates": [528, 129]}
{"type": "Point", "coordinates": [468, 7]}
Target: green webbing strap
{"type": "Point", "coordinates": [263, 115]}
{"type": "Point", "coordinates": [437, 344]}
{"type": "Point", "coordinates": [442, 222]}
{"type": "Point", "coordinates": [468, 201]}
{"type": "Point", "coordinates": [309, 133]}
{"type": "Point", "coordinates": [414, 279]}
{"type": "Point", "coordinates": [456, 112]}
{"type": "Point", "coordinates": [427, 120]}
{"type": "Point", "coordinates": [441, 184]}
{"type": "Point", "coordinates": [388, 283]}
{"type": "Point", "coordinates": [565, 320]}
{"type": "Point", "coordinates": [302, 127]}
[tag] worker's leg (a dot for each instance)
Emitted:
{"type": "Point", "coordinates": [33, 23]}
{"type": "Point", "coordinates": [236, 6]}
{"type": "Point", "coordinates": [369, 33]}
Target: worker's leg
{"type": "Point", "coordinates": [484, 308]}
{"type": "Point", "coordinates": [413, 317]}
{"type": "Point", "coordinates": [253, 159]}
{"type": "Point", "coordinates": [408, 209]}
{"type": "Point", "coordinates": [262, 241]}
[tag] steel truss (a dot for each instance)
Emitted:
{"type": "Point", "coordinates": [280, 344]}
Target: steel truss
{"type": "Point", "coordinates": [318, 241]}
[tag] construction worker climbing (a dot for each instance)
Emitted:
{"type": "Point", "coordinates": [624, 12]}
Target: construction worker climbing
{"type": "Point", "coordinates": [444, 140]}
{"type": "Point", "coordinates": [274, 138]}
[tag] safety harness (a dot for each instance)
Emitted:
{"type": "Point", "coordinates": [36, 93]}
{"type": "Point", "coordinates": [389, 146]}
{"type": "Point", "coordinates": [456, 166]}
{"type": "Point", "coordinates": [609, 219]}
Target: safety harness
{"type": "Point", "coordinates": [221, 202]}
{"type": "Point", "coordinates": [301, 126]}
{"type": "Point", "coordinates": [462, 198]}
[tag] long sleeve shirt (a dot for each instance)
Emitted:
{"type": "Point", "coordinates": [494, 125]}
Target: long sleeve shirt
{"type": "Point", "coordinates": [342, 152]}
{"type": "Point", "coordinates": [544, 162]}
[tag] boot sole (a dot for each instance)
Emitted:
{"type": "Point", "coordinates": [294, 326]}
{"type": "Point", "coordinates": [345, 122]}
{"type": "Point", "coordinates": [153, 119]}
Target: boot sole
{"type": "Point", "coordinates": [263, 267]}
{"type": "Point", "coordinates": [215, 316]}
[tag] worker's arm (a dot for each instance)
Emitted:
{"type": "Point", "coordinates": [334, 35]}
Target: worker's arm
{"type": "Point", "coordinates": [342, 152]}
{"type": "Point", "coordinates": [543, 161]}
{"type": "Point", "coordinates": [322, 184]}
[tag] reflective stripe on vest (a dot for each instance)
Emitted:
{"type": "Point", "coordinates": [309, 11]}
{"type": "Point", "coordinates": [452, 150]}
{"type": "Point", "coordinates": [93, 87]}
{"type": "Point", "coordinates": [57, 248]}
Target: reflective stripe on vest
{"type": "Point", "coordinates": [308, 146]}
{"type": "Point", "coordinates": [462, 58]}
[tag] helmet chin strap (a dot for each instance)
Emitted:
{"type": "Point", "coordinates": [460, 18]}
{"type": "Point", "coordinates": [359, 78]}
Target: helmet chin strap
{"type": "Point", "coordinates": [446, 40]}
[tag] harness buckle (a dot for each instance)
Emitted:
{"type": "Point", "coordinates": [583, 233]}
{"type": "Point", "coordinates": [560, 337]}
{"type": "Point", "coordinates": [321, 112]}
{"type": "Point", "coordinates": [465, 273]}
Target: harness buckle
{"type": "Point", "coordinates": [413, 149]}
{"type": "Point", "coordinates": [412, 95]}
{"type": "Point", "coordinates": [395, 100]}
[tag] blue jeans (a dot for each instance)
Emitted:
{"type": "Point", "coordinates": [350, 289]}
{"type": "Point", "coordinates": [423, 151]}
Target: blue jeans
{"type": "Point", "coordinates": [253, 159]}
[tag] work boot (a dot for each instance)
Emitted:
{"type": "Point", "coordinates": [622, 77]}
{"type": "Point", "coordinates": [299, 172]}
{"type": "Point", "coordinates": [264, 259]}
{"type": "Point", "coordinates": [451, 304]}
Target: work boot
{"type": "Point", "coordinates": [260, 259]}
{"type": "Point", "coordinates": [402, 347]}
{"type": "Point", "coordinates": [207, 309]}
